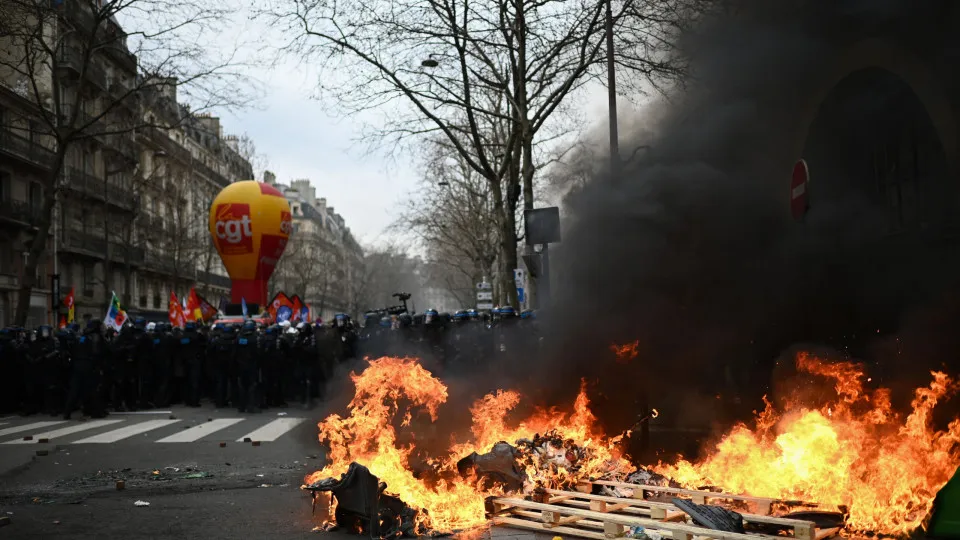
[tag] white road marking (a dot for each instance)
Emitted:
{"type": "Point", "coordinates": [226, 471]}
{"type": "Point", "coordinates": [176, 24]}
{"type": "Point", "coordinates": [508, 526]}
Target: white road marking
{"type": "Point", "coordinates": [126, 432]}
{"type": "Point", "coordinates": [200, 431]}
{"type": "Point", "coordinates": [27, 427]}
{"type": "Point", "coordinates": [63, 432]}
{"type": "Point", "coordinates": [273, 430]}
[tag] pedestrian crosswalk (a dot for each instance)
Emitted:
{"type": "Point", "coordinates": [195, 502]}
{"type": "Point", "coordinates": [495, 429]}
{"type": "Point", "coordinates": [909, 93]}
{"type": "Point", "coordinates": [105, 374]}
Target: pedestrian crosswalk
{"type": "Point", "coordinates": [173, 430]}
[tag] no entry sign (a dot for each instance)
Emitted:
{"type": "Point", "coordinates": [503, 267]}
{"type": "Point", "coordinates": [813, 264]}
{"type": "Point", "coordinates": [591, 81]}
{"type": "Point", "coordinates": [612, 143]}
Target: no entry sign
{"type": "Point", "coordinates": [799, 182]}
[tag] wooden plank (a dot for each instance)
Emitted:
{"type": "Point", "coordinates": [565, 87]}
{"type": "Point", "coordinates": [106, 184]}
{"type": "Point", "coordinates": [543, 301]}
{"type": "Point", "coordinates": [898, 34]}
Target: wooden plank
{"type": "Point", "coordinates": [692, 493]}
{"type": "Point", "coordinates": [749, 518]}
{"type": "Point", "coordinates": [630, 521]}
{"type": "Point", "coordinates": [530, 526]}
{"type": "Point", "coordinates": [823, 534]}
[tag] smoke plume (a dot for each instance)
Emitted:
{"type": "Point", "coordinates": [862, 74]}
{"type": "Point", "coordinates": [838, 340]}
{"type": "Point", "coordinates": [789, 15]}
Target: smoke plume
{"type": "Point", "coordinates": [691, 249]}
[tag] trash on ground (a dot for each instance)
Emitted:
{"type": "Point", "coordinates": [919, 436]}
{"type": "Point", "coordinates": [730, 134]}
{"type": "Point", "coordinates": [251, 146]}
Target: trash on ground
{"type": "Point", "coordinates": [141, 503]}
{"type": "Point", "coordinates": [198, 475]}
{"type": "Point", "coordinates": [281, 414]}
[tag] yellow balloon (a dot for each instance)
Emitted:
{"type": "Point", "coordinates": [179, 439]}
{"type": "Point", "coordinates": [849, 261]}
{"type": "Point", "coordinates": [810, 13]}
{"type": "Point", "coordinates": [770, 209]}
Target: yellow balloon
{"type": "Point", "coordinates": [250, 224]}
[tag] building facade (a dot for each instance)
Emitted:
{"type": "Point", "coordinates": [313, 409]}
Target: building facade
{"type": "Point", "coordinates": [323, 262]}
{"type": "Point", "coordinates": [135, 185]}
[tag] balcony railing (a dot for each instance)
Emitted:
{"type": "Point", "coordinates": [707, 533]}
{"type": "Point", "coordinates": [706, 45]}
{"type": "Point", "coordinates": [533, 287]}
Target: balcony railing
{"type": "Point", "coordinates": [123, 145]}
{"type": "Point", "coordinates": [160, 261]}
{"type": "Point", "coordinates": [90, 123]}
{"type": "Point", "coordinates": [171, 147]}
{"type": "Point", "coordinates": [213, 279]}
{"type": "Point", "coordinates": [72, 59]}
{"type": "Point", "coordinates": [20, 211]}
{"type": "Point", "coordinates": [120, 252]}
{"type": "Point", "coordinates": [23, 148]}
{"type": "Point", "coordinates": [86, 242]}
{"type": "Point", "coordinates": [89, 184]}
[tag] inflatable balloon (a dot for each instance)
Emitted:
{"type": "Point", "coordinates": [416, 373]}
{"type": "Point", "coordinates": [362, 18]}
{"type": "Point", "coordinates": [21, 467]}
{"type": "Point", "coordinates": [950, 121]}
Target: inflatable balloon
{"type": "Point", "coordinates": [250, 225]}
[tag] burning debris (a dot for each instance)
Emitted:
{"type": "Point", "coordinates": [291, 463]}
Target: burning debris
{"type": "Point", "coordinates": [853, 453]}
{"type": "Point", "coordinates": [359, 503]}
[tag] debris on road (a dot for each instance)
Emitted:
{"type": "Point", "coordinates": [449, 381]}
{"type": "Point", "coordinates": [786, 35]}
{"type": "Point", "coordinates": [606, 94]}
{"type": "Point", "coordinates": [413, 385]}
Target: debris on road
{"type": "Point", "coordinates": [43, 453]}
{"type": "Point", "coordinates": [43, 441]}
{"type": "Point", "coordinates": [281, 414]}
{"type": "Point", "coordinates": [223, 445]}
{"type": "Point", "coordinates": [4, 521]}
{"type": "Point", "coordinates": [199, 475]}
{"type": "Point", "coordinates": [141, 503]}
{"type": "Point", "coordinates": [121, 485]}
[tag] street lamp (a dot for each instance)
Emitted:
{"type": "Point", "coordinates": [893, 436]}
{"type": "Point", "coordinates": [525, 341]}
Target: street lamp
{"type": "Point", "coordinates": [612, 95]}
{"type": "Point", "coordinates": [429, 62]}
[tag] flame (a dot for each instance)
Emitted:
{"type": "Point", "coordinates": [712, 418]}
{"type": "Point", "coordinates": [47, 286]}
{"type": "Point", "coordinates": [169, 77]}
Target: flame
{"type": "Point", "coordinates": [391, 388]}
{"type": "Point", "coordinates": [625, 353]}
{"type": "Point", "coordinates": [854, 452]}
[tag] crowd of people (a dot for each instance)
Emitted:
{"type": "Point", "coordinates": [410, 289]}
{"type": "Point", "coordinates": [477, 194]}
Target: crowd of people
{"type": "Point", "coordinates": [250, 365]}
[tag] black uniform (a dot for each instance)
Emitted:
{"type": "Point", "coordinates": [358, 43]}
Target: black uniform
{"type": "Point", "coordinates": [192, 345]}
{"type": "Point", "coordinates": [246, 360]}
{"type": "Point", "coordinates": [85, 371]}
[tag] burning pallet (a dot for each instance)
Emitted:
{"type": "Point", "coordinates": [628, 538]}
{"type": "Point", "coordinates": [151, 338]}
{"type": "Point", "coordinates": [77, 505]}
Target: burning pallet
{"type": "Point", "coordinates": [602, 517]}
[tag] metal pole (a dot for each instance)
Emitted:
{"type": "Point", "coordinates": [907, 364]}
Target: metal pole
{"type": "Point", "coordinates": [612, 95]}
{"type": "Point", "coordinates": [544, 280]}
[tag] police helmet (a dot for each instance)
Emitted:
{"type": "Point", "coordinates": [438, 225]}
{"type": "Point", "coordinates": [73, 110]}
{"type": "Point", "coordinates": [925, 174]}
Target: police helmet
{"type": "Point", "coordinates": [191, 325]}
{"type": "Point", "coordinates": [249, 324]}
{"type": "Point", "coordinates": [151, 327]}
{"type": "Point", "coordinates": [385, 322]}
{"type": "Point", "coordinates": [44, 331]}
{"type": "Point", "coordinates": [139, 322]}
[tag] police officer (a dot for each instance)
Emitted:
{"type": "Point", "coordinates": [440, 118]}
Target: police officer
{"type": "Point", "coordinates": [192, 345]}
{"type": "Point", "coordinates": [163, 350]}
{"type": "Point", "coordinates": [220, 353]}
{"type": "Point", "coordinates": [85, 371]}
{"type": "Point", "coordinates": [306, 360]}
{"type": "Point", "coordinates": [42, 370]}
{"type": "Point", "coordinates": [247, 366]}
{"type": "Point", "coordinates": [270, 352]}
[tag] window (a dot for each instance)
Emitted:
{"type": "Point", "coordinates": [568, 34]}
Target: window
{"type": "Point", "coordinates": [87, 270]}
{"type": "Point", "coordinates": [5, 186]}
{"type": "Point", "coordinates": [36, 196]}
{"type": "Point", "coordinates": [156, 301]}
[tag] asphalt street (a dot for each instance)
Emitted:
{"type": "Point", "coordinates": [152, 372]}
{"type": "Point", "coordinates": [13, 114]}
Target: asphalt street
{"type": "Point", "coordinates": [195, 487]}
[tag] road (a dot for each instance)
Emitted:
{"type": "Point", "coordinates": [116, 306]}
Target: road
{"type": "Point", "coordinates": [174, 461]}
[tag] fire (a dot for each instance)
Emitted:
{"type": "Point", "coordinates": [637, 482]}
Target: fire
{"type": "Point", "coordinates": [392, 388]}
{"type": "Point", "coordinates": [854, 452]}
{"type": "Point", "coordinates": [625, 353]}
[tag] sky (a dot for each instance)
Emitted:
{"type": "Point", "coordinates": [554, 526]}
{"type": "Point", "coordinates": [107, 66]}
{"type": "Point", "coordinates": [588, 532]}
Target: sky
{"type": "Point", "coordinates": [302, 138]}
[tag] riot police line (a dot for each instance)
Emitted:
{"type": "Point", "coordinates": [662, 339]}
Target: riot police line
{"type": "Point", "coordinates": [250, 365]}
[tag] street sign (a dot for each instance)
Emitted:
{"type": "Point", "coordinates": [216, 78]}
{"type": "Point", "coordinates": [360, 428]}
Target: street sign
{"type": "Point", "coordinates": [485, 295]}
{"type": "Point", "coordinates": [484, 286]}
{"type": "Point", "coordinates": [519, 277]}
{"type": "Point", "coordinates": [484, 306]}
{"type": "Point", "coordinates": [520, 296]}
{"type": "Point", "coordinates": [799, 182]}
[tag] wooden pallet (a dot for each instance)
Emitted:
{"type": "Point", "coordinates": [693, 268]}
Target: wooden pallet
{"type": "Point", "coordinates": [760, 505]}
{"type": "Point", "coordinates": [603, 517]}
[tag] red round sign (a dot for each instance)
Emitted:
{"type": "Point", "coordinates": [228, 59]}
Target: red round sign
{"type": "Point", "coordinates": [799, 181]}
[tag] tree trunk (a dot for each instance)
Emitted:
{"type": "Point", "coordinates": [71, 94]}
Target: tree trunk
{"type": "Point", "coordinates": [506, 219]}
{"type": "Point", "coordinates": [39, 243]}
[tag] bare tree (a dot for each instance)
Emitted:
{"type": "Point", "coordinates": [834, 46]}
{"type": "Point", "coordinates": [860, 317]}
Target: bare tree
{"type": "Point", "coordinates": [453, 217]}
{"type": "Point", "coordinates": [248, 150]}
{"type": "Point", "coordinates": [489, 76]}
{"type": "Point", "coordinates": [56, 52]}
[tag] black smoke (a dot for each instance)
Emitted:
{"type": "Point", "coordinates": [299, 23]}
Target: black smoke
{"type": "Point", "coordinates": [691, 249]}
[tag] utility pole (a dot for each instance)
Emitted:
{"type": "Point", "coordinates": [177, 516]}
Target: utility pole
{"type": "Point", "coordinates": [612, 96]}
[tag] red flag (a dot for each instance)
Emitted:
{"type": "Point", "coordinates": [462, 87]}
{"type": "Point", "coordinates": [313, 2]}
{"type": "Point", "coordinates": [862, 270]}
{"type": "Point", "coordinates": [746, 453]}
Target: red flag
{"type": "Point", "coordinates": [296, 306]}
{"type": "Point", "coordinates": [68, 303]}
{"type": "Point", "coordinates": [175, 312]}
{"type": "Point", "coordinates": [63, 322]}
{"type": "Point", "coordinates": [207, 311]}
{"type": "Point", "coordinates": [279, 301]}
{"type": "Point", "coordinates": [193, 306]}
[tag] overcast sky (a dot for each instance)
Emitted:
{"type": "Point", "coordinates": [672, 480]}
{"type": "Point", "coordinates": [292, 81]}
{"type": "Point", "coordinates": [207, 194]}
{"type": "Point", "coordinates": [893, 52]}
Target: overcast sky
{"type": "Point", "coordinates": [302, 139]}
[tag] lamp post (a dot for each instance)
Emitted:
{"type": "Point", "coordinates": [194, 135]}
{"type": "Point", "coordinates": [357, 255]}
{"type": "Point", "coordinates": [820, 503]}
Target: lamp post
{"type": "Point", "coordinates": [612, 95]}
